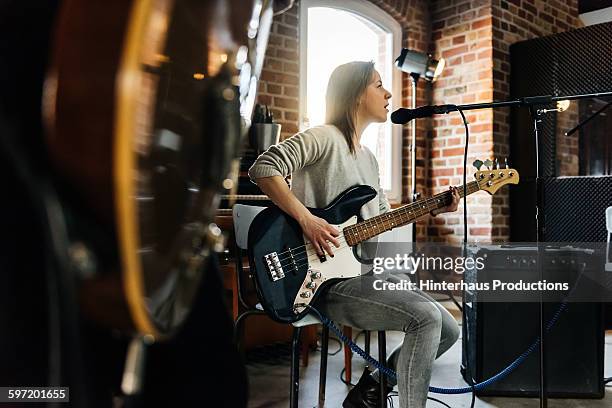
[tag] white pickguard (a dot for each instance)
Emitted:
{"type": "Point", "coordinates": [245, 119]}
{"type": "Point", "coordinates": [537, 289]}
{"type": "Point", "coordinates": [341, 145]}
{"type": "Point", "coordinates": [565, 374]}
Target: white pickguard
{"type": "Point", "coordinates": [343, 265]}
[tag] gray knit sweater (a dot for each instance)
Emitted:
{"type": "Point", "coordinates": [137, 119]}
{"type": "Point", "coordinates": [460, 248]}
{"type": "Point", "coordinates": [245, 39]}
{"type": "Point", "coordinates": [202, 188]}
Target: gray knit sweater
{"type": "Point", "coordinates": [321, 167]}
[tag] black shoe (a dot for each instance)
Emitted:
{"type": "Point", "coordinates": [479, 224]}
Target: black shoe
{"type": "Point", "coordinates": [365, 394]}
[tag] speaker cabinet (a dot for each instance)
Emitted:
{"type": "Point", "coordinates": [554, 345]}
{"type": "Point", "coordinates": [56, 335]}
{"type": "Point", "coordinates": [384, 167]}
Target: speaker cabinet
{"type": "Point", "coordinates": [497, 333]}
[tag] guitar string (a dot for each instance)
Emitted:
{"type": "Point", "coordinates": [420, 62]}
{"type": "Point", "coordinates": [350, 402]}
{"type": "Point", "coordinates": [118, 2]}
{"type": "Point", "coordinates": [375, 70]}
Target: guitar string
{"type": "Point", "coordinates": [314, 257]}
{"type": "Point", "coordinates": [360, 230]}
{"type": "Point", "coordinates": [297, 263]}
{"type": "Point", "coordinates": [370, 223]}
{"type": "Point", "coordinates": [373, 222]}
{"type": "Point", "coordinates": [342, 238]}
{"type": "Point", "coordinates": [294, 262]}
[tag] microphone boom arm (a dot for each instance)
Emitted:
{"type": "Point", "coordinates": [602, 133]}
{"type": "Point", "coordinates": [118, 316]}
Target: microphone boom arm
{"type": "Point", "coordinates": [403, 115]}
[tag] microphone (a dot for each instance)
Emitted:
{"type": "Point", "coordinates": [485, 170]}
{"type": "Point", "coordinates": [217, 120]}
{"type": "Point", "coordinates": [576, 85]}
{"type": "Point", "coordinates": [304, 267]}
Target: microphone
{"type": "Point", "coordinates": [403, 115]}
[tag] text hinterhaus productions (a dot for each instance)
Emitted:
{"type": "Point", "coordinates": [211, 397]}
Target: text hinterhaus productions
{"type": "Point", "coordinates": [430, 285]}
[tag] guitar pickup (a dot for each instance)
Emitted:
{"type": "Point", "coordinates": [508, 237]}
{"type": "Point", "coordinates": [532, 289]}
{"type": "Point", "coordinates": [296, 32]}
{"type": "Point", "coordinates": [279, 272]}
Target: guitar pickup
{"type": "Point", "coordinates": [274, 266]}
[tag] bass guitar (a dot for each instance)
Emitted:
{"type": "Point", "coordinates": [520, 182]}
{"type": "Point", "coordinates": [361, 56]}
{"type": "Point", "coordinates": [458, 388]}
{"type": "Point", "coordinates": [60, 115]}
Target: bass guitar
{"type": "Point", "coordinates": [287, 271]}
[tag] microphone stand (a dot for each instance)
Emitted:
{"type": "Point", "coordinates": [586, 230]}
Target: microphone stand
{"type": "Point", "coordinates": [532, 102]}
{"type": "Point", "coordinates": [414, 79]}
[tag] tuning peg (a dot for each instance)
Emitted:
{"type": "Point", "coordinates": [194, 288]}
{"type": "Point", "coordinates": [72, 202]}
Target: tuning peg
{"type": "Point", "coordinates": [477, 164]}
{"type": "Point", "coordinates": [488, 163]}
{"type": "Point", "coordinates": [496, 164]}
{"type": "Point", "coordinates": [506, 161]}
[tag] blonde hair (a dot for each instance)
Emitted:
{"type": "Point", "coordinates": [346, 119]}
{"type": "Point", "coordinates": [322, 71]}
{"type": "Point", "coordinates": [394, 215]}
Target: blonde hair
{"type": "Point", "coordinates": [346, 85]}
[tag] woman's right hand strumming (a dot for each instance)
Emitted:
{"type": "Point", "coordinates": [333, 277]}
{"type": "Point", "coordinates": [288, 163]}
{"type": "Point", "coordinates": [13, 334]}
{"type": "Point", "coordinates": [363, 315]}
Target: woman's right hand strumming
{"type": "Point", "coordinates": [320, 233]}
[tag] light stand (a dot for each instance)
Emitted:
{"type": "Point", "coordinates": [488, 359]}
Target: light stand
{"type": "Point", "coordinates": [414, 79]}
{"type": "Point", "coordinates": [417, 64]}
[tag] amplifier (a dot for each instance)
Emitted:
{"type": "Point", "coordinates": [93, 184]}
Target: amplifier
{"type": "Point", "coordinates": [499, 332]}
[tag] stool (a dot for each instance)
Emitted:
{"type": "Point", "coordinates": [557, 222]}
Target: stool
{"type": "Point", "coordinates": [243, 216]}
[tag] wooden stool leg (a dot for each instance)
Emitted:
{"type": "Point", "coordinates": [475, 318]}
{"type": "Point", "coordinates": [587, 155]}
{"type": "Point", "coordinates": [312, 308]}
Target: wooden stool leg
{"type": "Point", "coordinates": [309, 339]}
{"type": "Point", "coordinates": [348, 354]}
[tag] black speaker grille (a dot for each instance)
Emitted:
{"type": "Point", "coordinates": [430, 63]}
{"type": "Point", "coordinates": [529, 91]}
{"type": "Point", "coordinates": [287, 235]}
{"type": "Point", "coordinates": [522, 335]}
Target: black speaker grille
{"type": "Point", "coordinates": [573, 62]}
{"type": "Point", "coordinates": [569, 63]}
{"type": "Point", "coordinates": [574, 208]}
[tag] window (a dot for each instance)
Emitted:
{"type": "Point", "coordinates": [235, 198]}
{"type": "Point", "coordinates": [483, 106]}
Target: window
{"type": "Point", "coordinates": [333, 32]}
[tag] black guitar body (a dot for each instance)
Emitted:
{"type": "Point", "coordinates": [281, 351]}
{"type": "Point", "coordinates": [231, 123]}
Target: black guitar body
{"type": "Point", "coordinates": [272, 230]}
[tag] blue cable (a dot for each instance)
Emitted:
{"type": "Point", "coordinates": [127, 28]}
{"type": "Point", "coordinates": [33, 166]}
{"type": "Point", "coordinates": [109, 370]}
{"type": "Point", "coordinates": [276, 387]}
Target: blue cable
{"type": "Point", "coordinates": [437, 390]}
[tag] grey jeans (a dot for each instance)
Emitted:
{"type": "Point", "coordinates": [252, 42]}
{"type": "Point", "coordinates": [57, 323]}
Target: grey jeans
{"type": "Point", "coordinates": [429, 328]}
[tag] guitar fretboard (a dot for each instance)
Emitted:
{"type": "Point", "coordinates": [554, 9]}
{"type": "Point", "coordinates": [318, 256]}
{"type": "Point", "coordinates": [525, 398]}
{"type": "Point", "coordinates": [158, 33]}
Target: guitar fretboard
{"type": "Point", "coordinates": [401, 216]}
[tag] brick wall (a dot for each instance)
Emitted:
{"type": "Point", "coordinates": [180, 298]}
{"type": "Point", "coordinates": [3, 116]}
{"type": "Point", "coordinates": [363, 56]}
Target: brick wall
{"type": "Point", "coordinates": [279, 85]}
{"type": "Point", "coordinates": [514, 21]}
{"type": "Point", "coordinates": [474, 37]}
{"type": "Point", "coordinates": [461, 33]}
{"type": "Point", "coordinates": [413, 17]}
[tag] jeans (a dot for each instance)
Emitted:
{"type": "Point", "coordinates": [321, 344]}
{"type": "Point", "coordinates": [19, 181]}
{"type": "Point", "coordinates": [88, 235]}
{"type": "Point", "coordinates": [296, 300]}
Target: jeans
{"type": "Point", "coordinates": [429, 328]}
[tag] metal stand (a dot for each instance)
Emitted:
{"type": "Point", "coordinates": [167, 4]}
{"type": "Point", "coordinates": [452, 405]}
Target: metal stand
{"type": "Point", "coordinates": [414, 79]}
{"type": "Point", "coordinates": [536, 115]}
{"type": "Point", "coordinates": [532, 102]}
{"type": "Point", "coordinates": [382, 357]}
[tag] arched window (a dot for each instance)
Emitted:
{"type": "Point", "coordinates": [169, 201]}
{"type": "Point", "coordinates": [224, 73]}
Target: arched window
{"type": "Point", "coordinates": [333, 32]}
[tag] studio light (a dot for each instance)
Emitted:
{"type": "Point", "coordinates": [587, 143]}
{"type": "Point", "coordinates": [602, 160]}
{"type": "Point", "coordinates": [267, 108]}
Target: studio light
{"type": "Point", "coordinates": [419, 64]}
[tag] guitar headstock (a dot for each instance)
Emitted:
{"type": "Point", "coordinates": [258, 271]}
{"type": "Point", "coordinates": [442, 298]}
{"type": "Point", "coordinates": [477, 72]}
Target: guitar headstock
{"type": "Point", "coordinates": [494, 177]}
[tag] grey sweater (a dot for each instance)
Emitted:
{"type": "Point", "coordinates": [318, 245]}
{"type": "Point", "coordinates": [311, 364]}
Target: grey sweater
{"type": "Point", "coordinates": [322, 167]}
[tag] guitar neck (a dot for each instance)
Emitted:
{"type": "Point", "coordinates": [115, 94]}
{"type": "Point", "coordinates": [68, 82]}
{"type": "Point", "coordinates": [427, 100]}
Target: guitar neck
{"type": "Point", "coordinates": [404, 215]}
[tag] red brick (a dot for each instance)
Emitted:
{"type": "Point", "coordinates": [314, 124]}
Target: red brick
{"type": "Point", "coordinates": [442, 172]}
{"type": "Point", "coordinates": [264, 99]}
{"type": "Point", "coordinates": [291, 91]}
{"type": "Point", "coordinates": [546, 17]}
{"type": "Point", "coordinates": [456, 151]}
{"type": "Point", "coordinates": [459, 39]}
{"type": "Point", "coordinates": [291, 67]}
{"type": "Point", "coordinates": [288, 79]}
{"type": "Point", "coordinates": [486, 231]}
{"type": "Point", "coordinates": [286, 31]}
{"type": "Point", "coordinates": [287, 55]}
{"type": "Point", "coordinates": [530, 9]}
{"type": "Point", "coordinates": [274, 89]}
{"type": "Point", "coordinates": [291, 116]}
{"type": "Point", "coordinates": [455, 51]}
{"type": "Point", "coordinates": [285, 103]}
{"type": "Point", "coordinates": [274, 64]}
{"type": "Point", "coordinates": [485, 22]}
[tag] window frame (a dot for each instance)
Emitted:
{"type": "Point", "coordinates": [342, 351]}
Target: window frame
{"type": "Point", "coordinates": [385, 22]}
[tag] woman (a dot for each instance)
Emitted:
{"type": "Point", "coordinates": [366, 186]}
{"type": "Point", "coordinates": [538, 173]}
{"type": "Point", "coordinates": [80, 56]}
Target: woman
{"type": "Point", "coordinates": [324, 161]}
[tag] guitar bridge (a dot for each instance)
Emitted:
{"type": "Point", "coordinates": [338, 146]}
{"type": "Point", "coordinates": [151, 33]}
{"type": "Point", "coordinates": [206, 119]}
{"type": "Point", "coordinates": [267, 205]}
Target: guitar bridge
{"type": "Point", "coordinates": [274, 266]}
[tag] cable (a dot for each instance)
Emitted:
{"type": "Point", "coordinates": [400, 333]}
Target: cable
{"type": "Point", "coordinates": [465, 154]}
{"type": "Point", "coordinates": [439, 402]}
{"type": "Point", "coordinates": [335, 352]}
{"type": "Point", "coordinates": [343, 371]}
{"type": "Point", "coordinates": [438, 390]}
{"type": "Point", "coordinates": [468, 371]}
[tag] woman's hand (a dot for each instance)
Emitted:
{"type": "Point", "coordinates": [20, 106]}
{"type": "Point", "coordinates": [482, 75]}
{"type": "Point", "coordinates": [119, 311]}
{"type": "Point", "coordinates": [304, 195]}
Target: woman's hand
{"type": "Point", "coordinates": [452, 206]}
{"type": "Point", "coordinates": [320, 233]}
